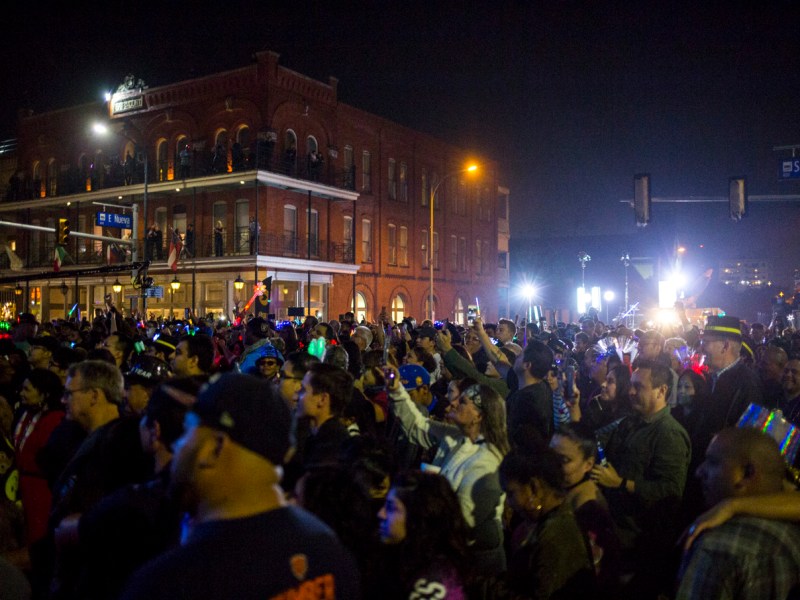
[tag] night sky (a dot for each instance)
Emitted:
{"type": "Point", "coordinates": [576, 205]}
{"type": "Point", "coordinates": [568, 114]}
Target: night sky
{"type": "Point", "coordinates": [571, 98]}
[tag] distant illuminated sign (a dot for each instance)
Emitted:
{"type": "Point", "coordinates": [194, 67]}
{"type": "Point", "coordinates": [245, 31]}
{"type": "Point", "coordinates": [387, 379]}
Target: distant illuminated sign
{"type": "Point", "coordinates": [123, 105]}
{"type": "Point", "coordinates": [790, 168]}
{"type": "Point", "coordinates": [105, 219]}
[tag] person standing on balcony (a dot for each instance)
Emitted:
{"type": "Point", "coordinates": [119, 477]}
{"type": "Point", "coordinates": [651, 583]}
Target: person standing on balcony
{"type": "Point", "coordinates": [185, 162]}
{"type": "Point", "coordinates": [254, 230]}
{"type": "Point", "coordinates": [188, 241]}
{"type": "Point", "coordinates": [159, 241]}
{"type": "Point", "coordinates": [150, 242]}
{"type": "Point", "coordinates": [218, 239]}
{"type": "Point", "coordinates": [219, 160]}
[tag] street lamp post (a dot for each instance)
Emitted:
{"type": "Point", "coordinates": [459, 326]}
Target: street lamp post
{"type": "Point", "coordinates": [434, 189]}
{"type": "Point", "coordinates": [175, 285]}
{"type": "Point", "coordinates": [626, 262]}
{"type": "Point", "coordinates": [102, 129]}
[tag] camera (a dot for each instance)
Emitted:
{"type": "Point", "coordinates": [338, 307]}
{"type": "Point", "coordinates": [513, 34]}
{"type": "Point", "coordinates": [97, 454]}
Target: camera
{"type": "Point", "coordinates": [438, 325]}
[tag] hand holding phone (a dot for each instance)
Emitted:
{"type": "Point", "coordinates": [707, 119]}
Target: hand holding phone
{"type": "Point", "coordinates": [569, 385]}
{"type": "Point", "coordinates": [390, 375]}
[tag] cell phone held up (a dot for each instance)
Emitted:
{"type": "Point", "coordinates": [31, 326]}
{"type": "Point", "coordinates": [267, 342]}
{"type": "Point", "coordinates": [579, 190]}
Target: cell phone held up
{"type": "Point", "coordinates": [569, 381]}
{"type": "Point", "coordinates": [389, 375]}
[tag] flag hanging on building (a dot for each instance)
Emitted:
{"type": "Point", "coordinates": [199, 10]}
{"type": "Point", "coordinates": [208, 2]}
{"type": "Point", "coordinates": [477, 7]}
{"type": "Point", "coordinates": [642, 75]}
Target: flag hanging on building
{"type": "Point", "coordinates": [14, 261]}
{"type": "Point", "coordinates": [58, 258]}
{"type": "Point", "coordinates": [174, 251]}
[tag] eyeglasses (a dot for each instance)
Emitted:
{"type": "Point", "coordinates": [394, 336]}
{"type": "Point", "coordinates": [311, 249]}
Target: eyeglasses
{"type": "Point", "coordinates": [283, 375]}
{"type": "Point", "coordinates": [68, 393]}
{"type": "Point", "coordinates": [268, 362]}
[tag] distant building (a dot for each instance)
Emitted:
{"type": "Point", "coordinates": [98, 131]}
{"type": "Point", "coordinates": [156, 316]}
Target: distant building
{"type": "Point", "coordinates": [745, 273]}
{"type": "Point", "coordinates": [340, 197]}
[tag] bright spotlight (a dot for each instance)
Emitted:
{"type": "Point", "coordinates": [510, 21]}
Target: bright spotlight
{"type": "Point", "coordinates": [528, 291]}
{"type": "Point", "coordinates": [608, 295]}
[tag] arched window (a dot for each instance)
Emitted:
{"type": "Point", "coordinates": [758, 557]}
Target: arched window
{"type": "Point", "coordinates": [84, 184]}
{"type": "Point", "coordinates": [219, 153]}
{"type": "Point", "coordinates": [290, 152]}
{"type": "Point", "coordinates": [459, 316]}
{"type": "Point", "coordinates": [398, 308]}
{"type": "Point", "coordinates": [52, 178]}
{"type": "Point", "coordinates": [314, 159]}
{"type": "Point", "coordinates": [162, 161]}
{"type": "Point", "coordinates": [240, 151]}
{"type": "Point", "coordinates": [360, 309]}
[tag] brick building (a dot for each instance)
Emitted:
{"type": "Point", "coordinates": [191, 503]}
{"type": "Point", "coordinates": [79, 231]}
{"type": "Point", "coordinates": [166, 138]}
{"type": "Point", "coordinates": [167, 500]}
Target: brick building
{"type": "Point", "coordinates": [329, 201]}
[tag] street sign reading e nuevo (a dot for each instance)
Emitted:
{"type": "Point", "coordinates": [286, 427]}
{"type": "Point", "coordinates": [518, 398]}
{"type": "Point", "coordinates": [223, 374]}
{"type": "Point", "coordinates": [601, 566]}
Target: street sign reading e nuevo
{"type": "Point", "coordinates": [156, 291]}
{"type": "Point", "coordinates": [790, 168]}
{"type": "Point", "coordinates": [105, 219]}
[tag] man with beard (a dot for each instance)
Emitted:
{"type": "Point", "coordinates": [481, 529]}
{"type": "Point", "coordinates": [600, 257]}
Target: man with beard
{"type": "Point", "coordinates": [244, 541]}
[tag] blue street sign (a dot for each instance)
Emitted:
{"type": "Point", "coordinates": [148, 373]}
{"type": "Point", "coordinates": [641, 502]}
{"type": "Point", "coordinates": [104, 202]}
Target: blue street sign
{"type": "Point", "coordinates": [154, 292]}
{"type": "Point", "coordinates": [114, 220]}
{"type": "Point", "coordinates": [790, 168]}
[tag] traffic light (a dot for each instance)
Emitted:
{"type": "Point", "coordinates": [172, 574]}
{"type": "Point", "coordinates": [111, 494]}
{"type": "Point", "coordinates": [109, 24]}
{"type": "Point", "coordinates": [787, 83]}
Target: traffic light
{"type": "Point", "coordinates": [268, 287]}
{"type": "Point", "coordinates": [641, 199]}
{"type": "Point", "coordinates": [62, 232]}
{"type": "Point", "coordinates": [737, 198]}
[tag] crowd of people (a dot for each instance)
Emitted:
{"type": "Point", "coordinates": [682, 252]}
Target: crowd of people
{"type": "Point", "coordinates": [202, 458]}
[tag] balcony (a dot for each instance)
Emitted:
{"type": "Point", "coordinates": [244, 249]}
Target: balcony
{"type": "Point", "coordinates": [84, 252]}
{"type": "Point", "coordinates": [73, 181]}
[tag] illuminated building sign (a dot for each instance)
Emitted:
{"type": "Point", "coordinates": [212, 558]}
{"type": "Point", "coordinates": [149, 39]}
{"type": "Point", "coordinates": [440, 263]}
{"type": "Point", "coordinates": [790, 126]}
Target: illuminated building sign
{"type": "Point", "coordinates": [123, 105]}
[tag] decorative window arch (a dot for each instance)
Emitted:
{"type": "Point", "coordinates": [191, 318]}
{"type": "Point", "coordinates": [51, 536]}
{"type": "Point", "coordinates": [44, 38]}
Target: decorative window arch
{"type": "Point", "coordinates": [162, 160]}
{"type": "Point", "coordinates": [221, 138]}
{"type": "Point", "coordinates": [311, 144]}
{"type": "Point", "coordinates": [360, 309]}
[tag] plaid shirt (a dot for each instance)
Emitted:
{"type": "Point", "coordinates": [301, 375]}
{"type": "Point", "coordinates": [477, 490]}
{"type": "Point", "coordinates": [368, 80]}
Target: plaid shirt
{"type": "Point", "coordinates": [747, 558]}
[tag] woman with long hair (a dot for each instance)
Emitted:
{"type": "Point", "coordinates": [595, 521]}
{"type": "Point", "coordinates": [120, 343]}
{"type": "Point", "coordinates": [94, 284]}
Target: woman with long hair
{"type": "Point", "coordinates": [41, 413]}
{"type": "Point", "coordinates": [425, 537]}
{"type": "Point", "coordinates": [469, 446]}
{"type": "Point", "coordinates": [611, 404]}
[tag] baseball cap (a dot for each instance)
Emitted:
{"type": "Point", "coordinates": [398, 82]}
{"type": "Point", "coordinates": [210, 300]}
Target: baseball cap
{"type": "Point", "coordinates": [413, 376]}
{"type": "Point", "coordinates": [250, 412]}
{"type": "Point", "coordinates": [269, 351]}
